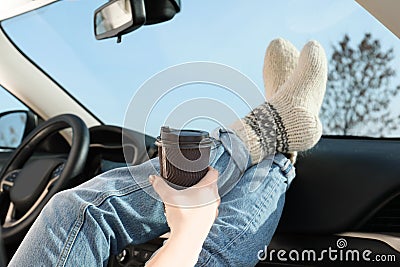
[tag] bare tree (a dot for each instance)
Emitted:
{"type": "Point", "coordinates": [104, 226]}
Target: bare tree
{"type": "Point", "coordinates": [360, 90]}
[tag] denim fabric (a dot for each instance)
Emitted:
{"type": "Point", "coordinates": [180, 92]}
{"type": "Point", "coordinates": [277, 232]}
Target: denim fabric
{"type": "Point", "coordinates": [84, 225]}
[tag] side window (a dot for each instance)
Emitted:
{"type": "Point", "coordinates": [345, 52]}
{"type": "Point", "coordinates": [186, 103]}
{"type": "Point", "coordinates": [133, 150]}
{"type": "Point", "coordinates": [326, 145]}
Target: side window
{"type": "Point", "coordinates": [12, 123]}
{"type": "Point", "coordinates": [363, 90]}
{"type": "Point", "coordinates": [8, 102]}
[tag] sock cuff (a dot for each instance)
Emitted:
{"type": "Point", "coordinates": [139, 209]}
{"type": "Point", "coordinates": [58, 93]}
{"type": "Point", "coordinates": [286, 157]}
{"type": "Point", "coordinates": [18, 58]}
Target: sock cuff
{"type": "Point", "coordinates": [282, 140]}
{"type": "Point", "coordinates": [250, 139]}
{"type": "Point", "coordinates": [261, 130]}
{"type": "Point", "coordinates": [262, 122]}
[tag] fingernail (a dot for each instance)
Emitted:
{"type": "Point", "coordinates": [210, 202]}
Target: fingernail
{"type": "Point", "coordinates": [151, 179]}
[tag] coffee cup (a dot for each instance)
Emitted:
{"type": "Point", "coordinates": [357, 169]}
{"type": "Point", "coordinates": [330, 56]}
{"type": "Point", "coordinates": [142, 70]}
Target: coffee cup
{"type": "Point", "coordinates": [184, 155]}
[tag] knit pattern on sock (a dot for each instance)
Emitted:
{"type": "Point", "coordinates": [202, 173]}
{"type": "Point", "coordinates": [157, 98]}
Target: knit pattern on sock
{"type": "Point", "coordinates": [259, 130]}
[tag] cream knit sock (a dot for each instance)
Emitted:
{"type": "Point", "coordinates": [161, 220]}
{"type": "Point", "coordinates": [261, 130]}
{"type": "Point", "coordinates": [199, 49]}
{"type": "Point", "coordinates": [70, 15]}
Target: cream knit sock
{"type": "Point", "coordinates": [280, 60]}
{"type": "Point", "coordinates": [289, 121]}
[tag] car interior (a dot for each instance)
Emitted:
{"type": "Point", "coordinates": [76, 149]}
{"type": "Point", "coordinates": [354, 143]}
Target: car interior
{"type": "Point", "coordinates": [346, 188]}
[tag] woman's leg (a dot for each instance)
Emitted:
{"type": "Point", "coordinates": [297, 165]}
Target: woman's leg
{"type": "Point", "coordinates": [248, 215]}
{"type": "Point", "coordinates": [84, 225]}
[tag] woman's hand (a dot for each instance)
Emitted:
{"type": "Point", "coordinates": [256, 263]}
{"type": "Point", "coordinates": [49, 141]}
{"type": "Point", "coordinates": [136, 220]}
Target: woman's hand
{"type": "Point", "coordinates": [192, 210]}
{"type": "Point", "coordinates": [190, 214]}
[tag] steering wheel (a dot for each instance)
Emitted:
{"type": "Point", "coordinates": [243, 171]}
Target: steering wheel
{"type": "Point", "coordinates": [28, 185]}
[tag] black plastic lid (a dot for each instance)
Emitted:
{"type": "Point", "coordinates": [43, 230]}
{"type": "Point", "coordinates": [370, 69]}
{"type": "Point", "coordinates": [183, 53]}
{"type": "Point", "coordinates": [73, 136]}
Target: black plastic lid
{"type": "Point", "coordinates": [170, 135]}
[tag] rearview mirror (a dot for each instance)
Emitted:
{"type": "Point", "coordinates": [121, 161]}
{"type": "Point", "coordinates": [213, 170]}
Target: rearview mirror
{"type": "Point", "coordinates": [158, 11]}
{"type": "Point", "coordinates": [118, 17]}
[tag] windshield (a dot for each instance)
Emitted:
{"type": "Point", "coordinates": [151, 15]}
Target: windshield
{"type": "Point", "coordinates": [104, 75]}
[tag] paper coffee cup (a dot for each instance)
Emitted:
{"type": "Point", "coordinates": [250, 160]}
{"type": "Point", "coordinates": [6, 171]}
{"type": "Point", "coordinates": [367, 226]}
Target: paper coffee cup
{"type": "Point", "coordinates": [184, 155]}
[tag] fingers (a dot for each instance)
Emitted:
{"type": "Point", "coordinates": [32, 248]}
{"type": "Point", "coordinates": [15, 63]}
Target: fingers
{"type": "Point", "coordinates": [211, 177]}
{"type": "Point", "coordinates": [161, 187]}
{"type": "Point", "coordinates": [204, 192]}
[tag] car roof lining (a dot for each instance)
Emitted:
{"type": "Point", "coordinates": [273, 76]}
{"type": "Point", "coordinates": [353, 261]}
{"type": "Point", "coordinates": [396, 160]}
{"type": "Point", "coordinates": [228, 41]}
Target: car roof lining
{"type": "Point", "coordinates": [386, 11]}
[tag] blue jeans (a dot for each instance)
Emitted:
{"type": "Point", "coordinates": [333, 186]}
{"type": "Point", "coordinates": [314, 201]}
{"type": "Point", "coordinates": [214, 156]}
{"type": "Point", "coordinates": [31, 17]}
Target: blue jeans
{"type": "Point", "coordinates": [84, 225]}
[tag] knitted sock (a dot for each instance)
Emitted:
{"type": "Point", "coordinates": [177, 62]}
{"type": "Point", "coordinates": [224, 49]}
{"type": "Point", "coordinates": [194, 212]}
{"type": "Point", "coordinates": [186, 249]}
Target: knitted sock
{"type": "Point", "coordinates": [280, 60]}
{"type": "Point", "coordinates": [289, 121]}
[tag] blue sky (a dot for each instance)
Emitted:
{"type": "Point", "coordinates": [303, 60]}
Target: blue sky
{"type": "Point", "coordinates": [104, 75]}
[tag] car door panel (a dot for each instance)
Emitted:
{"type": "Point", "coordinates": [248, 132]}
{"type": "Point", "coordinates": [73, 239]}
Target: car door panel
{"type": "Point", "coordinates": [340, 184]}
{"type": "Point", "coordinates": [348, 189]}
